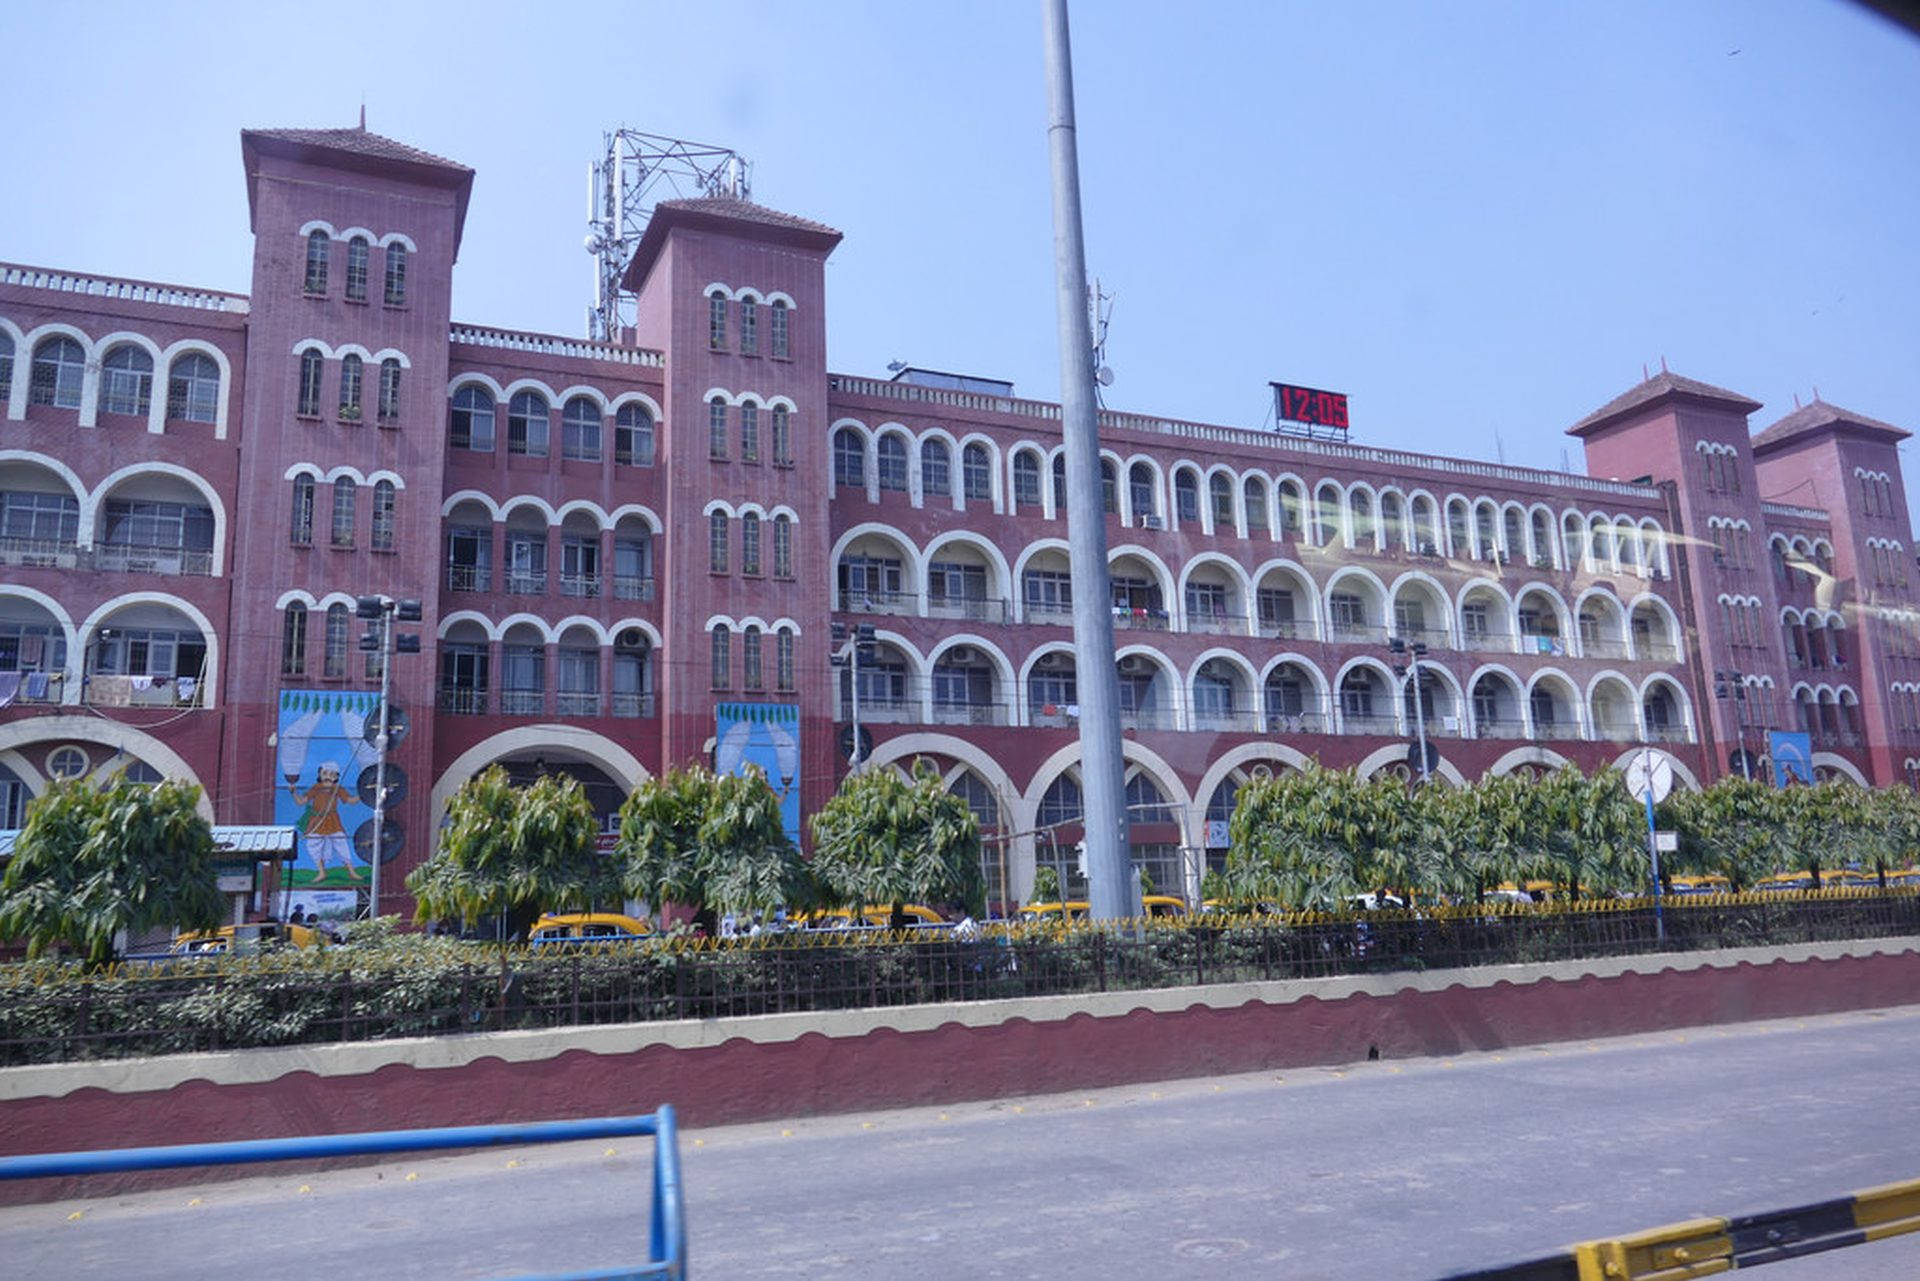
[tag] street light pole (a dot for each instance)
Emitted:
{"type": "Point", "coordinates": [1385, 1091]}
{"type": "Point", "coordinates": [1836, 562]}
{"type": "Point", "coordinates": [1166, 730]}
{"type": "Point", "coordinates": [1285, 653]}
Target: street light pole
{"type": "Point", "coordinates": [1732, 685]}
{"type": "Point", "coordinates": [1411, 672]}
{"type": "Point", "coordinates": [380, 747]}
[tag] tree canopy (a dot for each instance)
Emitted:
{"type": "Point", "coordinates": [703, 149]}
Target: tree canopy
{"type": "Point", "coordinates": [507, 849]}
{"type": "Point", "coordinates": [97, 858]}
{"type": "Point", "coordinates": [708, 840]}
{"type": "Point", "coordinates": [884, 839]}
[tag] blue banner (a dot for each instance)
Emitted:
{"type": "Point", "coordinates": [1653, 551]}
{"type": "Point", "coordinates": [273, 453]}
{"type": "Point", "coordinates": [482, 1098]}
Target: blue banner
{"type": "Point", "coordinates": [766, 735]}
{"type": "Point", "coordinates": [1792, 757]}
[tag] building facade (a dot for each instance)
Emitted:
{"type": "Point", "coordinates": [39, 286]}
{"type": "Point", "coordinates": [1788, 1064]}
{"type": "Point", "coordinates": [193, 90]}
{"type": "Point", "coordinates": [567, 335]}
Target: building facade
{"type": "Point", "coordinates": [639, 554]}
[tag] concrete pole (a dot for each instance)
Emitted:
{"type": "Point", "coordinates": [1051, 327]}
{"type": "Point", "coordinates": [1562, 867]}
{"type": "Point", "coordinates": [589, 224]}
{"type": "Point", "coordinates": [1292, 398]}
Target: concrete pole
{"type": "Point", "coordinates": [1101, 785]}
{"type": "Point", "coordinates": [380, 745]}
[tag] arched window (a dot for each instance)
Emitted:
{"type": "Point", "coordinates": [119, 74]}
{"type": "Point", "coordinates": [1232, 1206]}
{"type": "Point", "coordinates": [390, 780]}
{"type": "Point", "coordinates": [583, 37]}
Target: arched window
{"type": "Point", "coordinates": [6, 367]}
{"type": "Point", "coordinates": [976, 473]}
{"type": "Point", "coordinates": [351, 371]}
{"type": "Point", "coordinates": [722, 657]}
{"type": "Point", "coordinates": [389, 390]}
{"type": "Point", "coordinates": [1293, 504]}
{"type": "Point", "coordinates": [302, 531]}
{"type": "Point", "coordinates": [1146, 803]}
{"type": "Point", "coordinates": [59, 370]}
{"type": "Point", "coordinates": [396, 291]}
{"type": "Point", "coordinates": [849, 459]}
{"type": "Point", "coordinates": [719, 559]}
{"type": "Point", "coordinates": [1140, 493]}
{"type": "Point", "coordinates": [357, 250]}
{"type": "Point", "coordinates": [527, 424]}
{"type": "Point", "coordinates": [345, 491]}
{"type": "Point", "coordinates": [782, 437]}
{"type": "Point", "coordinates": [1061, 804]}
{"type": "Point", "coordinates": [1459, 542]}
{"type": "Point", "coordinates": [293, 640]}
{"type": "Point", "coordinates": [336, 654]}
{"type": "Point", "coordinates": [1515, 540]}
{"type": "Point", "coordinates": [749, 431]}
{"type": "Point", "coordinates": [750, 674]}
{"type": "Point", "coordinates": [1059, 471]}
{"type": "Point", "coordinates": [717, 427]}
{"type": "Point", "coordinates": [1361, 505]}
{"type": "Point", "coordinates": [1026, 479]}
{"type": "Point", "coordinates": [936, 468]}
{"type": "Point", "coordinates": [783, 546]}
{"type": "Point", "coordinates": [716, 322]}
{"type": "Point", "coordinates": [1424, 537]}
{"type": "Point", "coordinates": [1220, 493]}
{"type": "Point", "coordinates": [385, 498]}
{"type": "Point", "coordinates": [1392, 521]}
{"type": "Point", "coordinates": [1326, 517]}
{"type": "Point", "coordinates": [580, 430]}
{"type": "Point", "coordinates": [1186, 497]}
{"type": "Point", "coordinates": [1542, 540]}
{"type": "Point", "coordinates": [1253, 496]}
{"type": "Point", "coordinates": [1109, 488]}
{"type": "Point", "coordinates": [750, 543]}
{"type": "Point", "coordinates": [777, 317]}
{"type": "Point", "coordinates": [750, 341]}
{"type": "Point", "coordinates": [319, 246]}
{"type": "Point", "coordinates": [892, 462]}
{"type": "Point", "coordinates": [633, 436]}
{"type": "Point", "coordinates": [126, 381]}
{"type": "Point", "coordinates": [473, 419]}
{"type": "Point", "coordinates": [309, 402]}
{"type": "Point", "coordinates": [783, 659]}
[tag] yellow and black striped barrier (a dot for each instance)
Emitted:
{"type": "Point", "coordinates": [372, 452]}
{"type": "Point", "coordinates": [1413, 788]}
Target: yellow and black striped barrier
{"type": "Point", "coordinates": [1707, 1247]}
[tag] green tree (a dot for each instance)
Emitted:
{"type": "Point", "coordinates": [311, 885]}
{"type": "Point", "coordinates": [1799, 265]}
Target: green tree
{"type": "Point", "coordinates": [714, 842]}
{"type": "Point", "coordinates": [96, 859]}
{"type": "Point", "coordinates": [1472, 836]}
{"type": "Point", "coordinates": [1311, 837]}
{"type": "Point", "coordinates": [886, 839]}
{"type": "Point", "coordinates": [1732, 828]}
{"type": "Point", "coordinates": [1046, 885]}
{"type": "Point", "coordinates": [510, 849]}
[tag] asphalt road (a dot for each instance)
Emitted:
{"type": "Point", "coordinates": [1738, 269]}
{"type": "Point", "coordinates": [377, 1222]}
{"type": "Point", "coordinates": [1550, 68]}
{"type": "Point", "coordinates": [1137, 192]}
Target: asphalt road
{"type": "Point", "coordinates": [1384, 1170]}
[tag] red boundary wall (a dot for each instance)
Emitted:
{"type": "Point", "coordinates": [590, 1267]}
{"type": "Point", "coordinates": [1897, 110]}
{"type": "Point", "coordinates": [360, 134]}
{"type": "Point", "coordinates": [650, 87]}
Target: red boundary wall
{"type": "Point", "coordinates": [738, 1079]}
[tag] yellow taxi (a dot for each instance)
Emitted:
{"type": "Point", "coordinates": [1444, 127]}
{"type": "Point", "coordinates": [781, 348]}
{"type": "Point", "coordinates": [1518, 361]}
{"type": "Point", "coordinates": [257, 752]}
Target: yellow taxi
{"type": "Point", "coordinates": [584, 929]}
{"type": "Point", "coordinates": [246, 938]}
{"type": "Point", "coordinates": [1709, 883]}
{"type": "Point", "coordinates": [873, 916]}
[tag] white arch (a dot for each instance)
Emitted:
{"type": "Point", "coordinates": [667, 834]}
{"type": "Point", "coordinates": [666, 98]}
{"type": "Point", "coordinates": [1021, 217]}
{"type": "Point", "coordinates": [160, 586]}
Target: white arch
{"type": "Point", "coordinates": [641, 511]}
{"type": "Point", "coordinates": [973, 541]}
{"type": "Point", "coordinates": [52, 464]}
{"type": "Point", "coordinates": [121, 737]}
{"type": "Point", "coordinates": [457, 381]}
{"type": "Point", "coordinates": [90, 504]}
{"type": "Point", "coordinates": [509, 506]}
{"type": "Point", "coordinates": [209, 676]}
{"type": "Point", "coordinates": [1222, 768]}
{"type": "Point", "coordinates": [296, 595]}
{"type": "Point", "coordinates": [449, 621]}
{"type": "Point", "coordinates": [1531, 754]}
{"type": "Point", "coordinates": [629, 623]}
{"type": "Point", "coordinates": [640, 398]}
{"type": "Point", "coordinates": [453, 500]}
{"type": "Point", "coordinates": [1841, 764]}
{"type": "Point", "coordinates": [596, 513]}
{"type": "Point", "coordinates": [539, 624]}
{"type": "Point", "coordinates": [318, 224]}
{"type": "Point", "coordinates": [519, 385]}
{"type": "Point", "coordinates": [618, 763]}
{"type": "Point", "coordinates": [398, 238]}
{"type": "Point", "coordinates": [1394, 753]}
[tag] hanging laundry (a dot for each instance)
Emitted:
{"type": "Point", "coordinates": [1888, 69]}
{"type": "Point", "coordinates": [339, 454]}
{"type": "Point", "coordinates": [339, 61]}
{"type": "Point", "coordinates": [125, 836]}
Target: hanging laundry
{"type": "Point", "coordinates": [32, 649]}
{"type": "Point", "coordinates": [36, 685]}
{"type": "Point", "coordinates": [109, 691]}
{"type": "Point", "coordinates": [9, 688]}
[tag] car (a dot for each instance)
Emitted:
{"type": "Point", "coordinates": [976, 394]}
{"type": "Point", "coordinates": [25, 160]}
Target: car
{"type": "Point", "coordinates": [584, 929]}
{"type": "Point", "coordinates": [251, 937]}
{"type": "Point", "coordinates": [873, 916]}
{"type": "Point", "coordinates": [1373, 902]}
{"type": "Point", "coordinates": [1709, 883]}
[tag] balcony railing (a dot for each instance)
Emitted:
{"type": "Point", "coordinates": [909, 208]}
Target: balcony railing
{"type": "Point", "coordinates": [1050, 613]}
{"type": "Point", "coordinates": [1230, 720]}
{"type": "Point", "coordinates": [1147, 718]}
{"type": "Point", "coordinates": [628, 587]}
{"type": "Point", "coordinates": [985, 609]}
{"type": "Point", "coordinates": [169, 561]}
{"type": "Point", "coordinates": [580, 585]}
{"type": "Point", "coordinates": [970, 713]}
{"type": "Point", "coordinates": [631, 706]}
{"type": "Point", "coordinates": [1431, 637]}
{"type": "Point", "coordinates": [523, 702]}
{"type": "Point", "coordinates": [1139, 620]}
{"type": "Point", "coordinates": [113, 690]}
{"type": "Point", "coordinates": [577, 703]}
{"type": "Point", "coordinates": [39, 553]}
{"type": "Point", "coordinates": [1357, 633]}
{"type": "Point", "coordinates": [526, 584]}
{"type": "Point", "coordinates": [1597, 648]}
{"type": "Point", "coordinates": [1556, 730]}
{"type": "Point", "coordinates": [1677, 734]}
{"type": "Point", "coordinates": [878, 602]}
{"type": "Point", "coordinates": [888, 711]}
{"type": "Point", "coordinates": [1217, 624]}
{"type": "Point", "coordinates": [1500, 727]}
{"type": "Point", "coordinates": [1299, 723]}
{"type": "Point", "coordinates": [1615, 731]}
{"type": "Point", "coordinates": [1289, 628]}
{"type": "Point", "coordinates": [457, 700]}
{"type": "Point", "coordinates": [1658, 652]}
{"type": "Point", "coordinates": [1493, 642]}
{"type": "Point", "coordinates": [1542, 643]}
{"type": "Point", "coordinates": [1367, 723]}
{"type": "Point", "coordinates": [469, 578]}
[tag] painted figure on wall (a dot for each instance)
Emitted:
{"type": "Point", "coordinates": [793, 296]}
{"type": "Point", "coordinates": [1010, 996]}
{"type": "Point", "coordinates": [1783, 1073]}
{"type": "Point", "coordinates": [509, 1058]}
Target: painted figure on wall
{"type": "Point", "coordinates": [321, 750]}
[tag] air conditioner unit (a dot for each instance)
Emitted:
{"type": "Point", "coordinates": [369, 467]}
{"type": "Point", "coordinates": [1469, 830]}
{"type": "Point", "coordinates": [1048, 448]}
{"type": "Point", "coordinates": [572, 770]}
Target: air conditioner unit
{"type": "Point", "coordinates": [960, 654]}
{"type": "Point", "coordinates": [631, 638]}
{"type": "Point", "coordinates": [1152, 522]}
{"type": "Point", "coordinates": [1051, 662]}
{"type": "Point", "coordinates": [1135, 665]}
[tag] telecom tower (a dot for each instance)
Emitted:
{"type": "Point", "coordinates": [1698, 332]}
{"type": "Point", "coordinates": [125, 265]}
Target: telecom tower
{"type": "Point", "coordinates": [622, 188]}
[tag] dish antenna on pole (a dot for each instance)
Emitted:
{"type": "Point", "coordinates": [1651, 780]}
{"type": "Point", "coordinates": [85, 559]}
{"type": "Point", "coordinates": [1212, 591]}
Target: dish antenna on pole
{"type": "Point", "coordinates": [623, 186]}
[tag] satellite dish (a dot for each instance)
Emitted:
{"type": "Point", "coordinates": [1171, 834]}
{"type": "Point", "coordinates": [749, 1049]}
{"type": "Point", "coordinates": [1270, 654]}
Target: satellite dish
{"type": "Point", "coordinates": [392, 837]}
{"type": "Point", "coordinates": [396, 785]}
{"type": "Point", "coordinates": [398, 723]}
{"type": "Point", "coordinates": [1103, 376]}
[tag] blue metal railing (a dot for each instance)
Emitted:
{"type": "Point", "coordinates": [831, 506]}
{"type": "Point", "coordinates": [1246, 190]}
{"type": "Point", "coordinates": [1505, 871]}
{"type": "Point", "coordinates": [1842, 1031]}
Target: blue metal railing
{"type": "Point", "coordinates": [667, 1234]}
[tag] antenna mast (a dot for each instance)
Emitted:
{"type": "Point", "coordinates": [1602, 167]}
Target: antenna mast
{"type": "Point", "coordinates": [622, 188]}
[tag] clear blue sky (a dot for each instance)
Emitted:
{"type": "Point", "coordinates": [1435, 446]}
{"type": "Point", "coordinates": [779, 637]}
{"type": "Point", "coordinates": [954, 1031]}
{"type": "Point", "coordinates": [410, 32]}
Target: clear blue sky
{"type": "Point", "coordinates": [1480, 220]}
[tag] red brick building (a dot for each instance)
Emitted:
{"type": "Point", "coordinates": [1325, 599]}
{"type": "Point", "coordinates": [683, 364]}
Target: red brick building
{"type": "Point", "coordinates": [611, 541]}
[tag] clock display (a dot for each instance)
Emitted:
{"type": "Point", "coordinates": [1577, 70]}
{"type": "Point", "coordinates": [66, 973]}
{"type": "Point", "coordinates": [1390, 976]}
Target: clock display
{"type": "Point", "coordinates": [1310, 405]}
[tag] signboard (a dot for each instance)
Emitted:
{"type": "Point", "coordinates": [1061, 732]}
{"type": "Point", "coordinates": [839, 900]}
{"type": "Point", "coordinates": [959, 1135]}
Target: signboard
{"type": "Point", "coordinates": [766, 735]}
{"type": "Point", "coordinates": [320, 752]}
{"type": "Point", "coordinates": [1649, 774]}
{"type": "Point", "coordinates": [1310, 406]}
{"type": "Point", "coordinates": [1792, 757]}
{"type": "Point", "coordinates": [1217, 838]}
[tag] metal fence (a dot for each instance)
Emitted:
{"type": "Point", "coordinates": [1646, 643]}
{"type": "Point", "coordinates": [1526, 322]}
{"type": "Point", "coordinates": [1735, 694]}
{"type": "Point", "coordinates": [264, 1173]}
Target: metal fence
{"type": "Point", "coordinates": [344, 995]}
